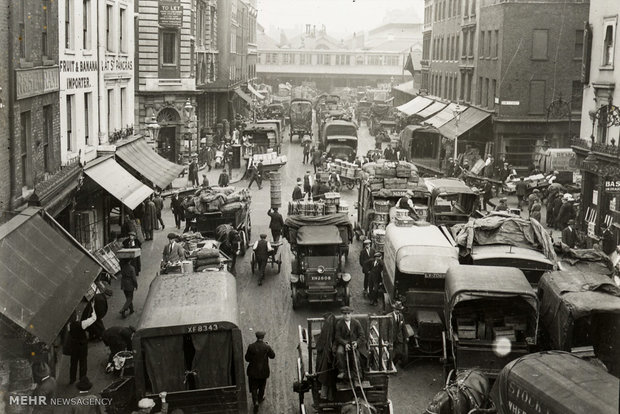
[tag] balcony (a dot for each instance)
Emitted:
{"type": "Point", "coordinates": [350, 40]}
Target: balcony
{"type": "Point", "coordinates": [581, 143]}
{"type": "Point", "coordinates": [606, 149]}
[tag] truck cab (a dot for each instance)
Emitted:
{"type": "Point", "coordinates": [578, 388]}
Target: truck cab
{"type": "Point", "coordinates": [317, 268]}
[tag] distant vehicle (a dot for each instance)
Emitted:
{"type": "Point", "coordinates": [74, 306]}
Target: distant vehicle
{"type": "Point", "coordinates": [340, 139]}
{"type": "Point", "coordinates": [452, 201]}
{"type": "Point", "coordinates": [421, 145]}
{"type": "Point", "coordinates": [264, 136]}
{"type": "Point", "coordinates": [301, 118]}
{"type": "Point", "coordinates": [276, 111]}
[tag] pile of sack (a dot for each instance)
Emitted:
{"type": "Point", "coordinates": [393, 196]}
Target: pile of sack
{"type": "Point", "coordinates": [205, 257]}
{"type": "Point", "coordinates": [224, 199]}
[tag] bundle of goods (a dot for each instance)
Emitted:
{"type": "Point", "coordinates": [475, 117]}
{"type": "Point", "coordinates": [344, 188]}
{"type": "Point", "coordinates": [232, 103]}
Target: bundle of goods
{"type": "Point", "coordinates": [401, 173]}
{"type": "Point", "coordinates": [350, 170]}
{"type": "Point", "coordinates": [205, 257]}
{"type": "Point", "coordinates": [224, 199]}
{"type": "Point", "coordinates": [343, 207]}
{"type": "Point", "coordinates": [491, 326]}
{"type": "Point", "coordinates": [310, 208]}
{"type": "Point", "coordinates": [378, 239]}
{"type": "Point", "coordinates": [270, 158]}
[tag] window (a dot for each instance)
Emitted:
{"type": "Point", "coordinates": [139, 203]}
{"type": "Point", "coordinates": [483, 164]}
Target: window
{"type": "Point", "coordinates": [496, 45]}
{"type": "Point", "coordinates": [479, 97]}
{"type": "Point", "coordinates": [327, 60]}
{"type": "Point", "coordinates": [123, 107]}
{"type": "Point", "coordinates": [22, 30]}
{"type": "Point", "coordinates": [608, 43]}
{"type": "Point", "coordinates": [122, 30]}
{"type": "Point", "coordinates": [454, 87]}
{"type": "Point", "coordinates": [493, 93]}
{"type": "Point", "coordinates": [537, 97]}
{"type": "Point", "coordinates": [458, 45]}
{"type": "Point", "coordinates": [87, 100]}
{"type": "Point", "coordinates": [472, 35]}
{"type": "Point", "coordinates": [233, 40]}
{"type": "Point", "coordinates": [470, 80]}
{"type": "Point", "coordinates": [68, 25]}
{"type": "Point", "coordinates": [465, 44]}
{"type": "Point", "coordinates": [578, 44]}
{"type": "Point", "coordinates": [389, 60]}
{"type": "Point", "coordinates": [488, 45]}
{"type": "Point", "coordinates": [473, 8]}
{"type": "Point", "coordinates": [85, 21]}
{"type": "Point", "coordinates": [576, 96]}
{"type": "Point", "coordinates": [486, 92]}
{"type": "Point", "coordinates": [108, 28]}
{"type": "Point", "coordinates": [169, 48]}
{"type": "Point", "coordinates": [110, 111]}
{"type": "Point", "coordinates": [481, 45]}
{"type": "Point", "coordinates": [287, 59]}
{"type": "Point", "coordinates": [45, 22]}
{"type": "Point", "coordinates": [466, 8]}
{"type": "Point", "coordinates": [539, 44]}
{"type": "Point", "coordinates": [69, 120]}
{"type": "Point", "coordinates": [305, 59]}
{"type": "Point", "coordinates": [48, 136]}
{"type": "Point", "coordinates": [462, 90]}
{"type": "Point", "coordinates": [26, 142]}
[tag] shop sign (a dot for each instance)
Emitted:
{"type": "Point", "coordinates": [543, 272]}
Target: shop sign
{"type": "Point", "coordinates": [612, 186]}
{"type": "Point", "coordinates": [170, 14]}
{"type": "Point", "coordinates": [511, 103]}
{"type": "Point", "coordinates": [38, 81]}
{"type": "Point", "coordinates": [595, 197]}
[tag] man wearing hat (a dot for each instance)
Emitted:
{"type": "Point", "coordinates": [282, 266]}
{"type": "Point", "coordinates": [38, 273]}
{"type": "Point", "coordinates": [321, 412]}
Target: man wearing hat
{"type": "Point", "coordinates": [397, 332]}
{"type": "Point", "coordinates": [502, 206]}
{"type": "Point", "coordinates": [177, 209]}
{"type": "Point", "coordinates": [258, 355]}
{"type": "Point", "coordinates": [276, 224]}
{"type": "Point", "coordinates": [118, 338]}
{"type": "Point", "coordinates": [534, 196]}
{"type": "Point", "coordinates": [46, 388]}
{"type": "Point", "coordinates": [262, 248]}
{"type": "Point", "coordinates": [567, 211]}
{"type": "Point", "coordinates": [76, 345]}
{"type": "Point", "coordinates": [366, 255]}
{"type": "Point", "coordinates": [223, 179]}
{"type": "Point", "coordinates": [374, 278]}
{"type": "Point", "coordinates": [173, 252]}
{"type": "Point", "coordinates": [349, 338]}
{"type": "Point", "coordinates": [308, 182]}
{"type": "Point", "coordinates": [193, 173]}
{"type": "Point", "coordinates": [132, 243]}
{"type": "Point", "coordinates": [450, 167]}
{"type": "Point", "coordinates": [298, 193]}
{"type": "Point", "coordinates": [569, 235]}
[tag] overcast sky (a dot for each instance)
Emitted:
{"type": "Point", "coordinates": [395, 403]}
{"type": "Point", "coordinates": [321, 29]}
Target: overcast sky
{"type": "Point", "coordinates": [339, 16]}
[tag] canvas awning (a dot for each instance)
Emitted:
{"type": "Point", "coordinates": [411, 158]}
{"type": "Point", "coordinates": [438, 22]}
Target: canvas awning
{"type": "Point", "coordinates": [468, 119]}
{"type": "Point", "coordinates": [415, 105]}
{"type": "Point", "coordinates": [431, 109]}
{"type": "Point", "coordinates": [443, 116]}
{"type": "Point", "coordinates": [255, 92]}
{"type": "Point", "coordinates": [119, 182]}
{"type": "Point", "coordinates": [243, 96]}
{"type": "Point", "coordinates": [407, 88]}
{"type": "Point", "coordinates": [43, 273]}
{"type": "Point", "coordinates": [140, 157]}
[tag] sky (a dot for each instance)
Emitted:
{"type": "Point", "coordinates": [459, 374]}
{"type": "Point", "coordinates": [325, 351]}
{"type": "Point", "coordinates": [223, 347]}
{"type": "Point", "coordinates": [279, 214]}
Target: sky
{"type": "Point", "coordinates": [339, 16]}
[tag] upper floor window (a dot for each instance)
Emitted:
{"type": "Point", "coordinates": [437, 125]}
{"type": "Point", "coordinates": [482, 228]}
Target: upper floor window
{"type": "Point", "coordinates": [540, 39]}
{"type": "Point", "coordinates": [169, 48]}
{"type": "Point", "coordinates": [609, 42]}
{"type": "Point", "coordinates": [85, 24]}
{"type": "Point", "coordinates": [578, 44]}
{"type": "Point", "coordinates": [108, 27]}
{"type": "Point", "coordinates": [44, 23]}
{"type": "Point", "coordinates": [122, 30]}
{"type": "Point", "coordinates": [69, 24]}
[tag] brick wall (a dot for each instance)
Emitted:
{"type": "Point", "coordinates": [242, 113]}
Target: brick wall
{"type": "Point", "coordinates": [5, 171]}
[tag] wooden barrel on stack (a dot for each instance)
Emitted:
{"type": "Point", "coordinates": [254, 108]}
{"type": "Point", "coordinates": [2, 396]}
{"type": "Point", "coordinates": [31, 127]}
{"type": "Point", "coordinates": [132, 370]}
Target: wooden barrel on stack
{"type": "Point", "coordinates": [276, 189]}
{"type": "Point", "coordinates": [20, 385]}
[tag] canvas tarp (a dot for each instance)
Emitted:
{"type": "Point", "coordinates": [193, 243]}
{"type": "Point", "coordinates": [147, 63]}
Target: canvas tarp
{"type": "Point", "coordinates": [293, 223]}
{"type": "Point", "coordinates": [213, 359]}
{"type": "Point", "coordinates": [165, 363]}
{"type": "Point", "coordinates": [499, 228]}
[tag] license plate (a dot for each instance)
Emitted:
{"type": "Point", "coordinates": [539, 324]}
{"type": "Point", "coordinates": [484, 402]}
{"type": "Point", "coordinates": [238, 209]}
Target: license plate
{"type": "Point", "coordinates": [398, 193]}
{"type": "Point", "coordinates": [320, 278]}
{"type": "Point", "coordinates": [434, 276]}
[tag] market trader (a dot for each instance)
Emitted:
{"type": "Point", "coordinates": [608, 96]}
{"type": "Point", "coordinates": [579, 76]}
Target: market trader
{"type": "Point", "coordinates": [262, 248]}
{"type": "Point", "coordinates": [258, 355]}
{"type": "Point", "coordinates": [173, 252]}
{"type": "Point", "coordinates": [366, 255]}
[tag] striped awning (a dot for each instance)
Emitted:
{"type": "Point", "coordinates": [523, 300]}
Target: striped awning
{"type": "Point", "coordinates": [443, 116]}
{"type": "Point", "coordinates": [415, 105]}
{"type": "Point", "coordinates": [431, 109]}
{"type": "Point", "coordinates": [140, 158]}
{"type": "Point", "coordinates": [468, 119]}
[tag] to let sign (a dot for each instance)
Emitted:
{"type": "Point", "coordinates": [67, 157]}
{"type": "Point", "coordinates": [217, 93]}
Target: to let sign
{"type": "Point", "coordinates": [170, 14]}
{"type": "Point", "coordinates": [612, 186]}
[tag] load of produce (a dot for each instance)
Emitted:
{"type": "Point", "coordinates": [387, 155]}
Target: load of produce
{"type": "Point", "coordinates": [390, 175]}
{"type": "Point", "coordinates": [213, 199]}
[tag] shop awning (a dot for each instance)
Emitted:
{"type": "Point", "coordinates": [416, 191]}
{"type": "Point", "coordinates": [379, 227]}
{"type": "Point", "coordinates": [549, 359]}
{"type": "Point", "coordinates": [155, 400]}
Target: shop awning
{"type": "Point", "coordinates": [43, 273]}
{"type": "Point", "coordinates": [415, 105]}
{"type": "Point", "coordinates": [146, 162]}
{"type": "Point", "coordinates": [407, 88]}
{"type": "Point", "coordinates": [431, 109]}
{"type": "Point", "coordinates": [255, 92]}
{"type": "Point", "coordinates": [443, 116]}
{"type": "Point", "coordinates": [119, 182]}
{"type": "Point", "coordinates": [243, 96]}
{"type": "Point", "coordinates": [468, 119]}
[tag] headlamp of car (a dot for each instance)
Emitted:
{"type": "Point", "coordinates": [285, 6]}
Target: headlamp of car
{"type": "Point", "coordinates": [294, 278]}
{"type": "Point", "coordinates": [346, 277]}
{"type": "Point", "coordinates": [320, 270]}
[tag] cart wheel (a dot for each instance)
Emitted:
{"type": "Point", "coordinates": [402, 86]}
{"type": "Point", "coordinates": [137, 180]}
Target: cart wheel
{"type": "Point", "coordinates": [295, 297]}
{"type": "Point", "coordinates": [244, 243]}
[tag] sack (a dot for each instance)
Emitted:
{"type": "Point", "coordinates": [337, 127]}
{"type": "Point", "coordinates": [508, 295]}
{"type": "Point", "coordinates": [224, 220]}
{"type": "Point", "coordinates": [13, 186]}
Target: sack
{"type": "Point", "coordinates": [206, 253]}
{"type": "Point", "coordinates": [232, 207]}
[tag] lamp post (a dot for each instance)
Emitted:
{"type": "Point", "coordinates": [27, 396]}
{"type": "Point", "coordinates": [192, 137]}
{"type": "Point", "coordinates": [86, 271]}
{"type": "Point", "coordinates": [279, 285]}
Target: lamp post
{"type": "Point", "coordinates": [457, 115]}
{"type": "Point", "coordinates": [188, 110]}
{"type": "Point", "coordinates": [153, 127]}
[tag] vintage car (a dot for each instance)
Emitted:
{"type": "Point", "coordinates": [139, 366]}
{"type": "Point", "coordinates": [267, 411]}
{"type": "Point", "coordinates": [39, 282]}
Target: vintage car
{"type": "Point", "coordinates": [416, 260]}
{"type": "Point", "coordinates": [301, 119]}
{"type": "Point", "coordinates": [491, 315]}
{"type": "Point", "coordinates": [264, 137]}
{"type": "Point", "coordinates": [340, 139]}
{"type": "Point", "coordinates": [188, 345]}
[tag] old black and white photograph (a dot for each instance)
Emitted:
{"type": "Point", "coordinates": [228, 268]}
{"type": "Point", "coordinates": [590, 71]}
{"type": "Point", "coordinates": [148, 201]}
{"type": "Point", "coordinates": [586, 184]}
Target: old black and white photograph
{"type": "Point", "coordinates": [309, 206]}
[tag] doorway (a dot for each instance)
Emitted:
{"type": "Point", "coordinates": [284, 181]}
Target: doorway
{"type": "Point", "coordinates": [166, 144]}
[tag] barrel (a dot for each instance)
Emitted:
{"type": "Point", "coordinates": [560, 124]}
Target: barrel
{"type": "Point", "coordinates": [276, 189]}
{"type": "Point", "coordinates": [343, 207]}
{"type": "Point", "coordinates": [331, 209]}
{"type": "Point", "coordinates": [20, 377]}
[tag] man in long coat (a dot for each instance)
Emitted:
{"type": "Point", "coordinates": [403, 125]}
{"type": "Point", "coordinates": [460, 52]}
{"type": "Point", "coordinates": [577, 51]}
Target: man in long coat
{"type": "Point", "coordinates": [366, 255]}
{"type": "Point", "coordinates": [374, 278]}
{"type": "Point", "coordinates": [258, 355]}
{"type": "Point", "coordinates": [159, 205]}
{"type": "Point", "coordinates": [150, 219]}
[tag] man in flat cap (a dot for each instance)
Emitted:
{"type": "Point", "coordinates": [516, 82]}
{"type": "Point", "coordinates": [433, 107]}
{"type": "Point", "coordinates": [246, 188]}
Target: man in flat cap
{"type": "Point", "coordinates": [349, 338]}
{"type": "Point", "coordinates": [258, 355]}
{"type": "Point", "coordinates": [375, 271]}
{"type": "Point", "coordinates": [262, 248]}
{"type": "Point", "coordinates": [366, 255]}
{"type": "Point", "coordinates": [502, 206]}
{"type": "Point", "coordinates": [173, 252]}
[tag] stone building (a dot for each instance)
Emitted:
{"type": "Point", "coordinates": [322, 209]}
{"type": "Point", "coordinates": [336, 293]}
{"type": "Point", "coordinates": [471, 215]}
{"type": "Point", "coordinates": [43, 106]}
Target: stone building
{"type": "Point", "coordinates": [517, 63]}
{"type": "Point", "coordinates": [5, 154]}
{"type": "Point", "coordinates": [596, 148]}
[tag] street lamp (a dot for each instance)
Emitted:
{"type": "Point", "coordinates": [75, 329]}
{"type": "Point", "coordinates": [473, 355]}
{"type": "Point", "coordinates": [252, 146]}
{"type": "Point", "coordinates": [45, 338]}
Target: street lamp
{"type": "Point", "coordinates": [188, 110]}
{"type": "Point", "coordinates": [153, 127]}
{"type": "Point", "coordinates": [457, 115]}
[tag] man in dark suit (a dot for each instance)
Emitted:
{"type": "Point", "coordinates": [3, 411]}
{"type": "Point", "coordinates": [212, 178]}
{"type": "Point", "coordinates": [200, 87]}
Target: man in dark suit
{"type": "Point", "coordinates": [118, 338]}
{"type": "Point", "coordinates": [257, 356]}
{"type": "Point", "coordinates": [298, 194]}
{"type": "Point", "coordinates": [262, 248]}
{"type": "Point", "coordinates": [374, 278]}
{"type": "Point", "coordinates": [173, 252]}
{"type": "Point", "coordinates": [276, 224]}
{"type": "Point", "coordinates": [224, 179]}
{"type": "Point", "coordinates": [349, 337]}
{"type": "Point", "coordinates": [177, 209]}
{"type": "Point", "coordinates": [308, 182]}
{"type": "Point", "coordinates": [569, 235]}
{"type": "Point", "coordinates": [366, 256]}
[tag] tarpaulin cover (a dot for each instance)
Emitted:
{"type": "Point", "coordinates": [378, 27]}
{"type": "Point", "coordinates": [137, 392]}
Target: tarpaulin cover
{"type": "Point", "coordinates": [499, 228]}
{"type": "Point", "coordinates": [165, 363]}
{"type": "Point", "coordinates": [43, 273]}
{"type": "Point", "coordinates": [293, 223]}
{"type": "Point", "coordinates": [301, 114]}
{"type": "Point", "coordinates": [213, 359]}
{"type": "Point", "coordinates": [571, 294]}
{"type": "Point", "coordinates": [574, 256]}
{"type": "Point", "coordinates": [318, 235]}
{"type": "Point", "coordinates": [555, 382]}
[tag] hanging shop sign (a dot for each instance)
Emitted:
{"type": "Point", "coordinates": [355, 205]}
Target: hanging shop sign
{"type": "Point", "coordinates": [170, 14]}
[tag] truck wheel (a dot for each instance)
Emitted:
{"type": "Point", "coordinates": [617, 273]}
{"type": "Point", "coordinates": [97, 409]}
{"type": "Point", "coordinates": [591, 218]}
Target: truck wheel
{"type": "Point", "coordinates": [244, 243]}
{"type": "Point", "coordinates": [295, 297]}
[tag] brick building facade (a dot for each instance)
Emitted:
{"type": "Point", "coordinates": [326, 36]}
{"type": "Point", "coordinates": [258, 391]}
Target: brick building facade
{"type": "Point", "coordinates": [5, 155]}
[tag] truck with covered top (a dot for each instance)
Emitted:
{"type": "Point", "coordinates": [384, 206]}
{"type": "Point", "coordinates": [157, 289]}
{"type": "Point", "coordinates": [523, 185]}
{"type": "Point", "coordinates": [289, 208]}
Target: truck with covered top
{"type": "Point", "coordinates": [339, 139]}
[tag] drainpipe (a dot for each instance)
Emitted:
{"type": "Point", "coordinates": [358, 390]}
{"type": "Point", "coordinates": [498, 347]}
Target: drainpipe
{"type": "Point", "coordinates": [11, 107]}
